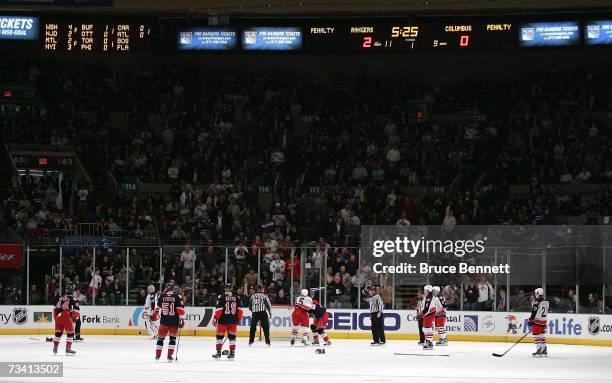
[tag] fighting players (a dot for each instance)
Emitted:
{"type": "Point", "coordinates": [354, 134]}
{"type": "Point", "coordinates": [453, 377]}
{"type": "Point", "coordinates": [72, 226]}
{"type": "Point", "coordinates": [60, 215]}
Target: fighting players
{"type": "Point", "coordinates": [170, 305]}
{"type": "Point", "coordinates": [149, 307]}
{"type": "Point", "coordinates": [431, 305]}
{"type": "Point", "coordinates": [318, 327]}
{"type": "Point", "coordinates": [64, 313]}
{"type": "Point", "coordinates": [227, 316]}
{"type": "Point", "coordinates": [539, 311]}
{"type": "Point", "coordinates": [300, 318]}
{"type": "Point", "coordinates": [440, 318]}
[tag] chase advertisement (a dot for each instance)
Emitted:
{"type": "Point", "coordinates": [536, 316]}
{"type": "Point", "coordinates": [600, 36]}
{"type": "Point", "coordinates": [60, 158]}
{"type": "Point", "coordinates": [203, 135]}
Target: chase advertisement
{"type": "Point", "coordinates": [342, 323]}
{"type": "Point", "coordinates": [549, 34]}
{"type": "Point", "coordinates": [18, 28]}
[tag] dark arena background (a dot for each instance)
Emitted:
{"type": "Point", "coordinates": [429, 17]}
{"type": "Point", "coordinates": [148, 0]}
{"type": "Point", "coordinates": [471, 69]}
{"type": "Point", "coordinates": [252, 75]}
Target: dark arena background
{"type": "Point", "coordinates": [399, 191]}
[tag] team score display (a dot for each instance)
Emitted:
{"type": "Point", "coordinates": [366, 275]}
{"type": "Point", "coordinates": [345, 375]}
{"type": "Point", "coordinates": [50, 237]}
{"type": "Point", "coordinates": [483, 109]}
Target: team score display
{"type": "Point", "coordinates": [464, 42]}
{"type": "Point", "coordinates": [405, 31]}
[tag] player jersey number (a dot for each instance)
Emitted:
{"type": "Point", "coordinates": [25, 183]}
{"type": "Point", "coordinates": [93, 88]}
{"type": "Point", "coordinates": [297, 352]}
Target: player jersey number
{"type": "Point", "coordinates": [543, 312]}
{"type": "Point", "coordinates": [230, 308]}
{"type": "Point", "coordinates": [168, 308]}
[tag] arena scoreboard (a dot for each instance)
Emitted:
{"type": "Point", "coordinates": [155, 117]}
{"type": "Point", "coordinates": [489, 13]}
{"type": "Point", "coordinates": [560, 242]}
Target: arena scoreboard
{"type": "Point", "coordinates": [121, 34]}
{"type": "Point", "coordinates": [78, 35]}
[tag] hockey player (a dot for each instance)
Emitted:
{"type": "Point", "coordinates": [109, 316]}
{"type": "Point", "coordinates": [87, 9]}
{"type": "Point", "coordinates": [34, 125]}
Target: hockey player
{"type": "Point", "coordinates": [300, 318]}
{"type": "Point", "coordinates": [171, 314]}
{"type": "Point", "coordinates": [419, 316]}
{"type": "Point", "coordinates": [539, 312]}
{"type": "Point", "coordinates": [64, 313]}
{"type": "Point", "coordinates": [440, 318]}
{"type": "Point", "coordinates": [227, 316]}
{"type": "Point", "coordinates": [149, 308]}
{"type": "Point", "coordinates": [77, 323]}
{"type": "Point", "coordinates": [430, 306]}
{"type": "Point", "coordinates": [320, 324]}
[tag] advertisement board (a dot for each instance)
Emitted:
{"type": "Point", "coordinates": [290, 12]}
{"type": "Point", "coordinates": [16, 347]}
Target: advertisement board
{"type": "Point", "coordinates": [587, 329]}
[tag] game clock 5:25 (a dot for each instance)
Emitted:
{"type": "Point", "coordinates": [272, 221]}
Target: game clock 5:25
{"type": "Point", "coordinates": [404, 31]}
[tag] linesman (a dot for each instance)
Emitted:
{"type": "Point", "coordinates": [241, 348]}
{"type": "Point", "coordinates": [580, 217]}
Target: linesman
{"type": "Point", "coordinates": [377, 307]}
{"type": "Point", "coordinates": [260, 306]}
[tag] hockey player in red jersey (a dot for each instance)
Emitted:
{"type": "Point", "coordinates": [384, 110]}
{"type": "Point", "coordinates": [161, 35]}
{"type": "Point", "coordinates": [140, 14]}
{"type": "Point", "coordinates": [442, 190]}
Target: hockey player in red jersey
{"type": "Point", "coordinates": [430, 306]}
{"type": "Point", "coordinates": [300, 317]}
{"type": "Point", "coordinates": [227, 316]}
{"type": "Point", "coordinates": [319, 325]}
{"type": "Point", "coordinates": [440, 318]}
{"type": "Point", "coordinates": [65, 312]}
{"type": "Point", "coordinates": [171, 313]}
{"type": "Point", "coordinates": [539, 312]}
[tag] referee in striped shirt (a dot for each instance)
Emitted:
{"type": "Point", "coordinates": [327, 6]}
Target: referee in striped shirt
{"type": "Point", "coordinates": [260, 306]}
{"type": "Point", "coordinates": [377, 307]}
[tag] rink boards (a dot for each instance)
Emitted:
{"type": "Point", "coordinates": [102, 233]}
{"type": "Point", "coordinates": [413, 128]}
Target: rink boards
{"type": "Point", "coordinates": [582, 329]}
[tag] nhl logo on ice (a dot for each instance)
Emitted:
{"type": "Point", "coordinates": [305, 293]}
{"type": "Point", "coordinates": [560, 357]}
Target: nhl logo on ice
{"type": "Point", "coordinates": [594, 326]}
{"type": "Point", "coordinates": [20, 315]}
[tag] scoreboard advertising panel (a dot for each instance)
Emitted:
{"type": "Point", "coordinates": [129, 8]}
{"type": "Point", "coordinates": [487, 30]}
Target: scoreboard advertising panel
{"type": "Point", "coordinates": [18, 28]}
{"type": "Point", "coordinates": [120, 34]}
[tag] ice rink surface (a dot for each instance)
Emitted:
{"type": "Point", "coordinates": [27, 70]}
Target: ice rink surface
{"type": "Point", "coordinates": [112, 359]}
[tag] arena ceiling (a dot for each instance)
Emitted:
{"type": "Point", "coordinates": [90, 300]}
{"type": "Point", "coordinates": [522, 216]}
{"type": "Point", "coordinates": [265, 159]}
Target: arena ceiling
{"type": "Point", "coordinates": [297, 7]}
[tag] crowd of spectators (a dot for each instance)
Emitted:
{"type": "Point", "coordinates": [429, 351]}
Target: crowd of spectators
{"type": "Point", "coordinates": [335, 154]}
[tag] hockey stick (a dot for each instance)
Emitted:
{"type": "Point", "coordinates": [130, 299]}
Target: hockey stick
{"type": "Point", "coordinates": [408, 354]}
{"type": "Point", "coordinates": [511, 347]}
{"type": "Point", "coordinates": [178, 342]}
{"type": "Point", "coordinates": [224, 352]}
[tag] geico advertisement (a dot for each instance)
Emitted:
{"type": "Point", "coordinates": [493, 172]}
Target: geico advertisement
{"type": "Point", "coordinates": [583, 326]}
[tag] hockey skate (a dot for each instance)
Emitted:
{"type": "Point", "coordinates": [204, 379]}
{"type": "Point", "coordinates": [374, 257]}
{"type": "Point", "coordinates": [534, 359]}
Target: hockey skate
{"type": "Point", "coordinates": [442, 342]}
{"type": "Point", "coordinates": [428, 345]}
{"type": "Point", "coordinates": [78, 339]}
{"type": "Point", "coordinates": [292, 341]}
{"type": "Point", "coordinates": [170, 359]}
{"type": "Point", "coordinates": [217, 355]}
{"type": "Point", "coordinates": [231, 355]}
{"type": "Point", "coordinates": [315, 342]}
{"type": "Point", "coordinates": [55, 349]}
{"type": "Point", "coordinates": [537, 354]}
{"type": "Point", "coordinates": [375, 344]}
{"type": "Point", "coordinates": [157, 357]}
{"type": "Point", "coordinates": [328, 343]}
{"type": "Point", "coordinates": [70, 351]}
{"type": "Point", "coordinates": [544, 353]}
{"type": "Point", "coordinates": [305, 342]}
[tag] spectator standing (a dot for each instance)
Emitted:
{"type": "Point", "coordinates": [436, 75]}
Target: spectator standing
{"type": "Point", "coordinates": [188, 259]}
